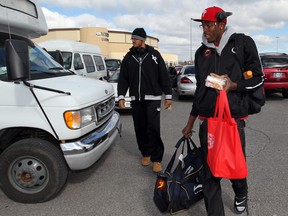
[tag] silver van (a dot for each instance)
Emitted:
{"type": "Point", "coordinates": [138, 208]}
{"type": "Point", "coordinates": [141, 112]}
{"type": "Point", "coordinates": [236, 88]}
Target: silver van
{"type": "Point", "coordinates": [83, 59]}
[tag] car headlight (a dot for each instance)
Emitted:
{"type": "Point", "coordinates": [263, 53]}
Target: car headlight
{"type": "Point", "coordinates": [76, 119]}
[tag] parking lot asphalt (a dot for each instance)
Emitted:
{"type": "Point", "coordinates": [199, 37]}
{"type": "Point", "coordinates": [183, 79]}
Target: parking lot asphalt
{"type": "Point", "coordinates": [117, 185]}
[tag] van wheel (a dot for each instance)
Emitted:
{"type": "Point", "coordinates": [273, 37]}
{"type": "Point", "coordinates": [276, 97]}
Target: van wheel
{"type": "Point", "coordinates": [32, 171]}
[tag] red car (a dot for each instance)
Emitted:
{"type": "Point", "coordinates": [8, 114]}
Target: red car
{"type": "Point", "coordinates": [275, 67]}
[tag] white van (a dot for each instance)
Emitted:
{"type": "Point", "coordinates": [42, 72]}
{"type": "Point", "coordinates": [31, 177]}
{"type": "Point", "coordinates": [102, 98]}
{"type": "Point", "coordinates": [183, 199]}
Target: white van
{"type": "Point", "coordinates": [52, 120]}
{"type": "Point", "coordinates": [84, 59]}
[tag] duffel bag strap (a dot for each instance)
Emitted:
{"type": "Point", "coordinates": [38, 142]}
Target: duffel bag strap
{"type": "Point", "coordinates": [182, 141]}
{"type": "Point", "coordinates": [172, 160]}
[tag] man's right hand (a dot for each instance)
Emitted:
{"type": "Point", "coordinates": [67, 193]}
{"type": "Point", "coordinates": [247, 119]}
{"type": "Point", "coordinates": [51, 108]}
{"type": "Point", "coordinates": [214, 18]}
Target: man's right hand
{"type": "Point", "coordinates": [122, 104]}
{"type": "Point", "coordinates": [187, 131]}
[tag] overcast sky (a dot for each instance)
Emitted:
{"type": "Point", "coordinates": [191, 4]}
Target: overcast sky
{"type": "Point", "coordinates": [265, 21]}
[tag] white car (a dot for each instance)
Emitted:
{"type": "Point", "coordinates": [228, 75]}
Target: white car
{"type": "Point", "coordinates": [114, 81]}
{"type": "Point", "coordinates": [186, 82]}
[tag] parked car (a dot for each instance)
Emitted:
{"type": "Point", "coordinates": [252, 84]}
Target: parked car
{"type": "Point", "coordinates": [275, 67]}
{"type": "Point", "coordinates": [178, 68]}
{"type": "Point", "coordinates": [186, 82]}
{"type": "Point", "coordinates": [114, 81]}
{"type": "Point", "coordinates": [112, 65]}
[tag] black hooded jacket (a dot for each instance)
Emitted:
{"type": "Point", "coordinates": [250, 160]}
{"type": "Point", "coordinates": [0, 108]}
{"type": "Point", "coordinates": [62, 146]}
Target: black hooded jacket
{"type": "Point", "coordinates": [208, 60]}
{"type": "Point", "coordinates": [145, 74]}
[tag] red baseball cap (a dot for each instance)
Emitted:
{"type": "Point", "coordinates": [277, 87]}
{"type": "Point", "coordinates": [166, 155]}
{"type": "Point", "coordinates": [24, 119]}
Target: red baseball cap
{"type": "Point", "coordinates": [211, 13]}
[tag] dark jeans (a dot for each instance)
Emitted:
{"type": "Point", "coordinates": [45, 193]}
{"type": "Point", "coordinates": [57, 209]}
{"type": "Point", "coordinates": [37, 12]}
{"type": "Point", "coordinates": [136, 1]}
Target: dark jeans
{"type": "Point", "coordinates": [146, 117]}
{"type": "Point", "coordinates": [212, 187]}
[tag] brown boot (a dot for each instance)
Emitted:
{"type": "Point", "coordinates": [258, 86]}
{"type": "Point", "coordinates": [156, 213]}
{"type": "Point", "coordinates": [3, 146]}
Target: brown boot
{"type": "Point", "coordinates": [145, 161]}
{"type": "Point", "coordinates": [157, 167]}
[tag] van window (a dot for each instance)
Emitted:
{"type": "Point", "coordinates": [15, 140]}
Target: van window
{"type": "Point", "coordinates": [77, 62]}
{"type": "Point", "coordinates": [99, 63]}
{"type": "Point", "coordinates": [89, 63]}
{"type": "Point", "coordinates": [41, 64]}
{"type": "Point", "coordinates": [67, 59]}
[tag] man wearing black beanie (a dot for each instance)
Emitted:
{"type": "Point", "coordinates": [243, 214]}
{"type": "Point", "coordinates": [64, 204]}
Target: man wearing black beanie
{"type": "Point", "coordinates": [139, 34]}
{"type": "Point", "coordinates": [144, 73]}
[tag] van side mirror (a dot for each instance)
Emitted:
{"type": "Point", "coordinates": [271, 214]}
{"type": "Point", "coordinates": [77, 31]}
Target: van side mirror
{"type": "Point", "coordinates": [17, 60]}
{"type": "Point", "coordinates": [79, 66]}
{"type": "Point", "coordinates": [59, 57]}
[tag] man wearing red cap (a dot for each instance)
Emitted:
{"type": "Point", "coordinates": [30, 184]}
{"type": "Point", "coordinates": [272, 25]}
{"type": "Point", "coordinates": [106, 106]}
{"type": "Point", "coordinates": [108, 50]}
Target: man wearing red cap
{"type": "Point", "coordinates": [219, 55]}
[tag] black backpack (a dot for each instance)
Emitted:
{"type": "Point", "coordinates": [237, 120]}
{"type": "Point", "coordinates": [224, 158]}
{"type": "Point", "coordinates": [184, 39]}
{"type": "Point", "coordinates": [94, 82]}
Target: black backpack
{"type": "Point", "coordinates": [255, 99]}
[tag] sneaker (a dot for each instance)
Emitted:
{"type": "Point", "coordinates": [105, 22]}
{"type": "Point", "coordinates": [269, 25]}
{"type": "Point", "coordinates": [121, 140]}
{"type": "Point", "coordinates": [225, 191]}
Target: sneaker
{"type": "Point", "coordinates": [157, 167]}
{"type": "Point", "coordinates": [145, 161]}
{"type": "Point", "coordinates": [240, 204]}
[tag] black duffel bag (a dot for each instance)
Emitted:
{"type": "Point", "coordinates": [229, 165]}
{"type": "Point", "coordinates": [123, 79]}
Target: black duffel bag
{"type": "Point", "coordinates": [178, 190]}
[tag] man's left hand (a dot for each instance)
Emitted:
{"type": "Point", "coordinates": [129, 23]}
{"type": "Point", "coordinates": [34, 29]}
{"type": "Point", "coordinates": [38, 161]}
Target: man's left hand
{"type": "Point", "coordinates": [230, 85]}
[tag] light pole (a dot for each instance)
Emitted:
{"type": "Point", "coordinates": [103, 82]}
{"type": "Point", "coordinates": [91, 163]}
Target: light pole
{"type": "Point", "coordinates": [191, 40]}
{"type": "Point", "coordinates": [277, 43]}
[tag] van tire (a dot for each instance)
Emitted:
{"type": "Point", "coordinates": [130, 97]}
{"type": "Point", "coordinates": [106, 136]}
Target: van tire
{"type": "Point", "coordinates": [32, 171]}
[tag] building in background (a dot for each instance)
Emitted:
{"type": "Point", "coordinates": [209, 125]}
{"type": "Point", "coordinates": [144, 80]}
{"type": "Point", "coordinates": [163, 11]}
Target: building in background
{"type": "Point", "coordinates": [112, 43]}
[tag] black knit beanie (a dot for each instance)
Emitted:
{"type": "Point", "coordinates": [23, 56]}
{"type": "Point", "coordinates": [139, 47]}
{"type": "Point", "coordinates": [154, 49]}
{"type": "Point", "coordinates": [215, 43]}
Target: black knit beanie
{"type": "Point", "coordinates": [139, 34]}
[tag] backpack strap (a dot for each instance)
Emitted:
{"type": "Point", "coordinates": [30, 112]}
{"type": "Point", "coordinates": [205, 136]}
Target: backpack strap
{"type": "Point", "coordinates": [255, 99]}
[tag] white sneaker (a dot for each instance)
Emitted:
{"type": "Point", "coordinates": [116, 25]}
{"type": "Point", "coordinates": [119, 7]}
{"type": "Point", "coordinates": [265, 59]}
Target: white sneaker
{"type": "Point", "coordinates": [240, 204]}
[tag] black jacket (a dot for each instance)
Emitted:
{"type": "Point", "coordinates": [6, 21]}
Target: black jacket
{"type": "Point", "coordinates": [145, 74]}
{"type": "Point", "coordinates": [208, 60]}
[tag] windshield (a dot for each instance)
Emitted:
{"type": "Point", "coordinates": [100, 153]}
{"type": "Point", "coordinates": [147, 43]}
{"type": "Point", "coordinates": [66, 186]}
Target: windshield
{"type": "Point", "coordinates": [275, 62]}
{"type": "Point", "coordinates": [189, 70]}
{"type": "Point", "coordinates": [112, 63]}
{"type": "Point", "coordinates": [42, 65]}
{"type": "Point", "coordinates": [115, 77]}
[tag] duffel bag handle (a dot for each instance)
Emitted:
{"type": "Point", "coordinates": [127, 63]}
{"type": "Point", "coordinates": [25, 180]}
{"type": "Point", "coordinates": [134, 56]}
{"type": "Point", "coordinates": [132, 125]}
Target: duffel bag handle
{"type": "Point", "coordinates": [182, 140]}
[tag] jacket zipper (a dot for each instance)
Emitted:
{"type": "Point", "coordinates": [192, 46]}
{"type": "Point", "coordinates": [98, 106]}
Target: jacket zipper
{"type": "Point", "coordinates": [140, 60]}
{"type": "Point", "coordinates": [139, 74]}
